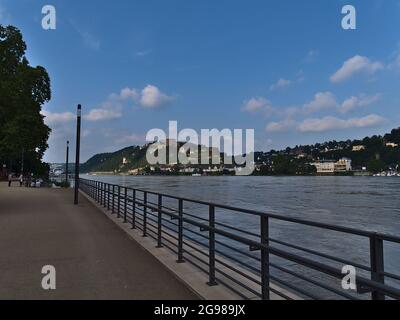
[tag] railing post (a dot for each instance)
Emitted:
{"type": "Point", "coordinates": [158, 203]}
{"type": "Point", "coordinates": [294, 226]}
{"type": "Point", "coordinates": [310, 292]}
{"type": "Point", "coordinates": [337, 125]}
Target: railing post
{"type": "Point", "coordinates": [377, 265]}
{"type": "Point", "coordinates": [211, 247]}
{"type": "Point", "coordinates": [113, 199]}
{"type": "Point", "coordinates": [265, 277]}
{"type": "Point", "coordinates": [134, 209]}
{"type": "Point", "coordinates": [119, 202]}
{"type": "Point", "coordinates": [108, 196]}
{"type": "Point", "coordinates": [145, 214]}
{"type": "Point", "coordinates": [125, 203]}
{"type": "Point", "coordinates": [159, 223]}
{"type": "Point", "coordinates": [180, 232]}
{"type": "Point", "coordinates": [101, 193]}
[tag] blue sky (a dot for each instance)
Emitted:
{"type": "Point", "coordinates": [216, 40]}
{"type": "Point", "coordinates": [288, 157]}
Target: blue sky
{"type": "Point", "coordinates": [285, 68]}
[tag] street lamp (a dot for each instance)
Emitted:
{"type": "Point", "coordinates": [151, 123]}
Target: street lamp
{"type": "Point", "coordinates": [66, 164]}
{"type": "Point", "coordinates": [78, 147]}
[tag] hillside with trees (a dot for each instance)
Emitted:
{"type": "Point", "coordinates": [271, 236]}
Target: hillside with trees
{"type": "Point", "coordinates": [376, 153]}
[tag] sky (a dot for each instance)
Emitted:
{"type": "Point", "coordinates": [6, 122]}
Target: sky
{"type": "Point", "coordinates": [285, 68]}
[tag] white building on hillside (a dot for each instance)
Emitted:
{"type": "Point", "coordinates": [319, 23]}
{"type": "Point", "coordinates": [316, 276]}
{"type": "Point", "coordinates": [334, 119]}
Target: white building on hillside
{"type": "Point", "coordinates": [325, 166]}
{"type": "Point", "coordinates": [358, 148]}
{"type": "Point", "coordinates": [331, 166]}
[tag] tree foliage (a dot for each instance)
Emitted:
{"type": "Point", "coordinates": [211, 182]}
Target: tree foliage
{"type": "Point", "coordinates": [23, 91]}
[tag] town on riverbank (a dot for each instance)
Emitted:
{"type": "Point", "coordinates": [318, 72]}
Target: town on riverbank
{"type": "Point", "coordinates": [371, 156]}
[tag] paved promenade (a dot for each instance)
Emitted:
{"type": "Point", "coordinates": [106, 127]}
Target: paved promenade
{"type": "Point", "coordinates": [94, 258]}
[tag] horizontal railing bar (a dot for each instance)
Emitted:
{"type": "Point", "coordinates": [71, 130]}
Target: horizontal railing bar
{"type": "Point", "coordinates": [295, 288]}
{"type": "Point", "coordinates": [322, 255]}
{"type": "Point", "coordinates": [195, 232]}
{"type": "Point", "coordinates": [238, 282]}
{"type": "Point", "coordinates": [194, 248]}
{"type": "Point", "coordinates": [237, 250]}
{"type": "Point", "coordinates": [237, 271]}
{"type": "Point", "coordinates": [233, 289]}
{"type": "Point", "coordinates": [196, 257]}
{"type": "Point", "coordinates": [238, 261]}
{"type": "Point", "coordinates": [282, 295]}
{"type": "Point", "coordinates": [326, 287]}
{"type": "Point", "coordinates": [391, 275]}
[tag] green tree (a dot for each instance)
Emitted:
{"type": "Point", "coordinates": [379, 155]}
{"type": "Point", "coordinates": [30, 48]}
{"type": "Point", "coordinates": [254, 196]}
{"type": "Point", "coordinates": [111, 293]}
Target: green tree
{"type": "Point", "coordinates": [23, 91]}
{"type": "Point", "coordinates": [284, 165]}
{"type": "Point", "coordinates": [376, 165]}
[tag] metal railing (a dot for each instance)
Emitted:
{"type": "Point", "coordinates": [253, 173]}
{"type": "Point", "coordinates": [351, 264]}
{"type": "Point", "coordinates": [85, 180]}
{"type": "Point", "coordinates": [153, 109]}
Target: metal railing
{"type": "Point", "coordinates": [250, 263]}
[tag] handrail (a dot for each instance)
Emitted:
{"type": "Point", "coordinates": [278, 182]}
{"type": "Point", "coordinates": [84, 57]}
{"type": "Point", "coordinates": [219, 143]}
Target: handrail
{"type": "Point", "coordinates": [142, 209]}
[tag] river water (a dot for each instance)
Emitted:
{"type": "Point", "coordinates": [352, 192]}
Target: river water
{"type": "Point", "coordinates": [368, 203]}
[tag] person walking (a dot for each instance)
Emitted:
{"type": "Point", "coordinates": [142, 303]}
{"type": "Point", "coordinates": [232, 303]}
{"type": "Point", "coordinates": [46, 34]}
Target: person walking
{"type": "Point", "coordinates": [9, 179]}
{"type": "Point", "coordinates": [21, 180]}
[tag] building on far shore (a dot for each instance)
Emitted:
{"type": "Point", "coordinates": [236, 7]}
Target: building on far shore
{"type": "Point", "coordinates": [324, 166]}
{"type": "Point", "coordinates": [358, 148]}
{"type": "Point", "coordinates": [391, 145]}
{"type": "Point", "coordinates": [331, 167]}
{"type": "Point", "coordinates": [343, 165]}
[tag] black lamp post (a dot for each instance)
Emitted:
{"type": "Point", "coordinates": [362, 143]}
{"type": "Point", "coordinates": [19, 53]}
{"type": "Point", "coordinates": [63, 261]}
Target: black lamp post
{"type": "Point", "coordinates": [78, 147]}
{"type": "Point", "coordinates": [66, 164]}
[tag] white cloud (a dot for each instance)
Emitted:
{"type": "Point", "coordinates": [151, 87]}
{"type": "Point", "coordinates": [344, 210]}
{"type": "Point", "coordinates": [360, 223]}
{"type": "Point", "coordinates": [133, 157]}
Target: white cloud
{"type": "Point", "coordinates": [360, 101]}
{"type": "Point", "coordinates": [151, 97]}
{"type": "Point", "coordinates": [128, 93]}
{"type": "Point", "coordinates": [103, 114]}
{"type": "Point", "coordinates": [322, 101]}
{"type": "Point", "coordinates": [281, 83]}
{"type": "Point", "coordinates": [86, 133]}
{"type": "Point", "coordinates": [356, 65]}
{"type": "Point", "coordinates": [256, 105]}
{"type": "Point", "coordinates": [130, 139]}
{"type": "Point", "coordinates": [55, 118]}
{"type": "Point", "coordinates": [88, 38]}
{"type": "Point", "coordinates": [110, 109]}
{"type": "Point", "coordinates": [311, 56]}
{"type": "Point", "coordinates": [280, 126]}
{"type": "Point", "coordinates": [332, 123]}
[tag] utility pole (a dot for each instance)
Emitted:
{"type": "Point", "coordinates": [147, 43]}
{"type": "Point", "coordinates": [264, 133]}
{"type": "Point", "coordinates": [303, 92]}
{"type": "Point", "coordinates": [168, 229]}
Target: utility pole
{"type": "Point", "coordinates": [78, 147]}
{"type": "Point", "coordinates": [66, 164]}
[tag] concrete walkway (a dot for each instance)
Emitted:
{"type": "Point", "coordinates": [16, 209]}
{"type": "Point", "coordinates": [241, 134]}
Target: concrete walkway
{"type": "Point", "coordinates": [93, 257]}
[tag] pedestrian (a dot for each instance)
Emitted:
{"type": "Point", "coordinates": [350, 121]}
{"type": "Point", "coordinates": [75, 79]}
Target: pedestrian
{"type": "Point", "coordinates": [21, 180]}
{"type": "Point", "coordinates": [9, 179]}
